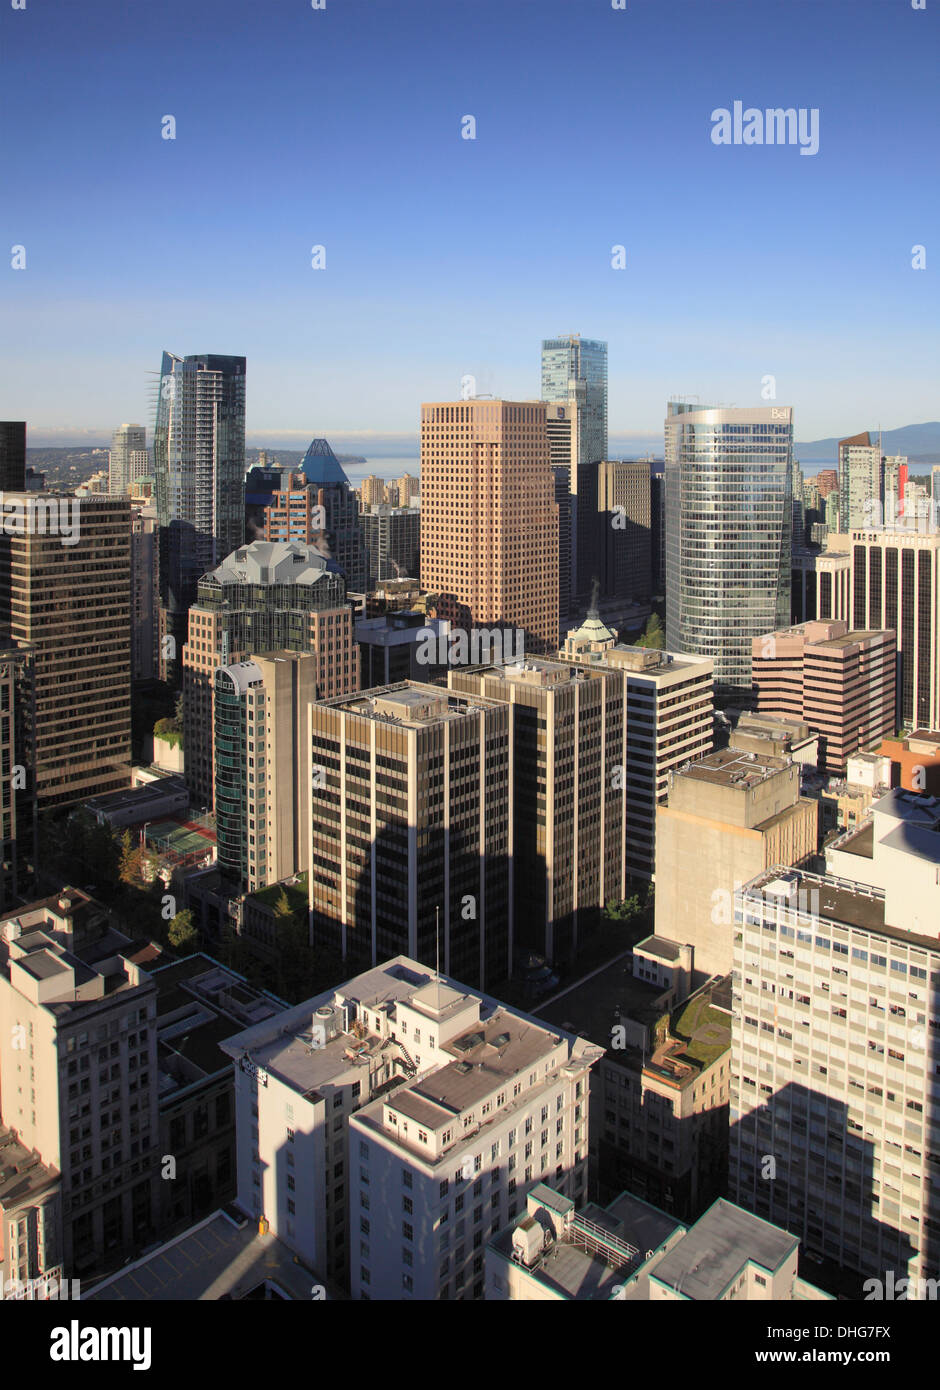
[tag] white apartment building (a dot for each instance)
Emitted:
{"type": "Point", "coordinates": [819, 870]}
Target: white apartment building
{"type": "Point", "coordinates": [835, 1133]}
{"type": "Point", "coordinates": [388, 1127]}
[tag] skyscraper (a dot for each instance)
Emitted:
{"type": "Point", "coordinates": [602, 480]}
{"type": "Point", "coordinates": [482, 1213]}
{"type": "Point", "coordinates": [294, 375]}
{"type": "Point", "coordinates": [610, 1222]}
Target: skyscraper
{"type": "Point", "coordinates": [861, 481]}
{"type": "Point", "coordinates": [410, 812]}
{"type": "Point", "coordinates": [489, 521]}
{"type": "Point", "coordinates": [72, 603]}
{"type": "Point", "coordinates": [264, 597]}
{"type": "Point", "coordinates": [12, 455]}
{"type": "Point", "coordinates": [574, 383]}
{"type": "Point", "coordinates": [728, 520]}
{"type": "Point", "coordinates": [261, 815]}
{"type": "Point", "coordinates": [576, 368]}
{"type": "Point", "coordinates": [128, 449]}
{"type": "Point", "coordinates": [199, 476]}
{"type": "Point", "coordinates": [896, 584]}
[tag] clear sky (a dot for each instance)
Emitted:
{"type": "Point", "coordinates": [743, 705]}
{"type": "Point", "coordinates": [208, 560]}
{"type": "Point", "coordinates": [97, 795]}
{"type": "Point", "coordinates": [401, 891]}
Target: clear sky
{"type": "Point", "coordinates": [446, 256]}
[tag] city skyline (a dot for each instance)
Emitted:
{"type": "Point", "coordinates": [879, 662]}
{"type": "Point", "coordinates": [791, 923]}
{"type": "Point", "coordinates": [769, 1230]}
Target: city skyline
{"type": "Point", "coordinates": [417, 258]}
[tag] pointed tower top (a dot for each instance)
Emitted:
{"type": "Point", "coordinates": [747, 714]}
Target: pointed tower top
{"type": "Point", "coordinates": [321, 466]}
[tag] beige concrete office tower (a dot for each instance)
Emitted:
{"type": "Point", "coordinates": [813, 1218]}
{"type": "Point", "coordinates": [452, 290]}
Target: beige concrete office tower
{"type": "Point", "coordinates": [410, 812]}
{"type": "Point", "coordinates": [820, 585]}
{"type": "Point", "coordinates": [489, 520]}
{"type": "Point", "coordinates": [128, 444]}
{"type": "Point", "coordinates": [72, 604]}
{"type": "Point", "coordinates": [727, 818]}
{"type": "Point", "coordinates": [669, 717]}
{"type": "Point", "coordinates": [896, 584]}
{"type": "Point", "coordinates": [834, 1058]}
{"type": "Point", "coordinates": [569, 736]}
{"type": "Point", "coordinates": [840, 683]}
{"type": "Point", "coordinates": [79, 1083]}
{"type": "Point", "coordinates": [262, 786]}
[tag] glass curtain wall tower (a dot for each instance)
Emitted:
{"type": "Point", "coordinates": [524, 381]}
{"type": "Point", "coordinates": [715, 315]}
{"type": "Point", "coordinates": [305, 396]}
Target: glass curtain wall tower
{"type": "Point", "coordinates": [199, 480]}
{"type": "Point", "coordinates": [728, 523]}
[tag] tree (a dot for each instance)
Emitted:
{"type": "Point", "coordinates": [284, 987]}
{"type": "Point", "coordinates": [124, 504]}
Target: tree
{"type": "Point", "coordinates": [182, 934]}
{"type": "Point", "coordinates": [131, 860]}
{"type": "Point", "coordinates": [623, 911]}
{"type": "Point", "coordinates": [654, 636]}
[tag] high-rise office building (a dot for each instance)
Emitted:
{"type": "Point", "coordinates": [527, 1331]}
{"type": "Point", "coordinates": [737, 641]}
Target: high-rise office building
{"type": "Point", "coordinates": [128, 458]}
{"type": "Point", "coordinates": [669, 719]}
{"type": "Point", "coordinates": [392, 538]}
{"type": "Point", "coordinates": [728, 519]}
{"type": "Point", "coordinates": [575, 368]}
{"type": "Point", "coordinates": [314, 505]}
{"type": "Point", "coordinates": [623, 505]}
{"type": "Point", "coordinates": [265, 597]}
{"type": "Point", "coordinates": [896, 585]}
{"type": "Point", "coordinates": [561, 418]}
{"type": "Point", "coordinates": [489, 523]}
{"type": "Point", "coordinates": [261, 802]}
{"type": "Point", "coordinates": [827, 480]}
{"type": "Point", "coordinates": [199, 477]}
{"type": "Point", "coordinates": [65, 590]}
{"type": "Point", "coordinates": [840, 683]}
{"type": "Point", "coordinates": [658, 532]}
{"type": "Point", "coordinates": [861, 480]}
{"type": "Point", "coordinates": [12, 455]}
{"type": "Point", "coordinates": [564, 501]}
{"type": "Point", "coordinates": [410, 811]}
{"type": "Point", "coordinates": [82, 1089]}
{"type": "Point", "coordinates": [833, 1048]}
{"type": "Point", "coordinates": [568, 809]}
{"type": "Point", "coordinates": [727, 817]}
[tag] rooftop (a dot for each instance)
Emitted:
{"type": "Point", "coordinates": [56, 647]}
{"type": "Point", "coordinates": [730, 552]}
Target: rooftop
{"type": "Point", "coordinates": [730, 767]}
{"type": "Point", "coordinates": [410, 703]}
{"type": "Point", "coordinates": [221, 1257]}
{"type": "Point", "coordinates": [711, 1255]}
{"type": "Point", "coordinates": [23, 1175]}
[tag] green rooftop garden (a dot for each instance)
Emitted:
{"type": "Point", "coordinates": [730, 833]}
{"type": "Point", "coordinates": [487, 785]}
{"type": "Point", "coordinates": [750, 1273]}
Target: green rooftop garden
{"type": "Point", "coordinates": [703, 1029]}
{"type": "Point", "coordinates": [296, 894]}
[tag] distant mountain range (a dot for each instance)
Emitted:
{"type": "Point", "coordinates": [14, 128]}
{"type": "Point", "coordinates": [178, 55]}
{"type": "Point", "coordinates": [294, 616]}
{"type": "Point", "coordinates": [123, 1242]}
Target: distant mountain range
{"type": "Point", "coordinates": [921, 444]}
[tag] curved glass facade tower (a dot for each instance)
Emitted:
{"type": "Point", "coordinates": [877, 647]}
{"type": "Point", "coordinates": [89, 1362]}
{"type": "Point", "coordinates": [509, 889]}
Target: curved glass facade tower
{"type": "Point", "coordinates": [728, 519]}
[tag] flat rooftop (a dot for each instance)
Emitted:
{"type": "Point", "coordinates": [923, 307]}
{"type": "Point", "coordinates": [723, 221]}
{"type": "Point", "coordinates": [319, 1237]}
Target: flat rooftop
{"type": "Point", "coordinates": [575, 1271]}
{"type": "Point", "coordinates": [835, 902]}
{"type": "Point", "coordinates": [594, 1007]}
{"type": "Point", "coordinates": [410, 704]}
{"type": "Point", "coordinates": [23, 1175]}
{"type": "Point", "coordinates": [711, 1255]}
{"type": "Point", "coordinates": [137, 798]}
{"type": "Point", "coordinates": [659, 946]}
{"type": "Point", "coordinates": [496, 1050]}
{"type": "Point", "coordinates": [731, 767]}
{"type": "Point", "coordinates": [221, 1257]}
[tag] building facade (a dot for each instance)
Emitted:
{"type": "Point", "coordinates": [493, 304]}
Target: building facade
{"type": "Point", "coordinates": [199, 480]}
{"type": "Point", "coordinates": [728, 522]}
{"type": "Point", "coordinates": [840, 683]}
{"type": "Point", "coordinates": [410, 811]}
{"type": "Point", "coordinates": [489, 519]}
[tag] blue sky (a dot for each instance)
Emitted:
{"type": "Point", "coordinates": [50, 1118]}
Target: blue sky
{"type": "Point", "coordinates": [447, 256]}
